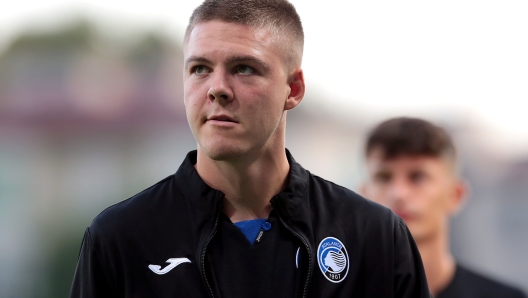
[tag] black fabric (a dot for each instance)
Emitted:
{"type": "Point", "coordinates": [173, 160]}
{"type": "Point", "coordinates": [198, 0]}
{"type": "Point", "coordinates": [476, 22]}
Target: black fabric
{"type": "Point", "coordinates": [468, 284]}
{"type": "Point", "coordinates": [267, 267]}
{"type": "Point", "coordinates": [180, 217]}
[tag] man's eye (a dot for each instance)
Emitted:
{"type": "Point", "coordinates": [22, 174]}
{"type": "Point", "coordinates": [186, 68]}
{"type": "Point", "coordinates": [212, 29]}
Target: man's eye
{"type": "Point", "coordinates": [244, 69]}
{"type": "Point", "coordinates": [200, 69]}
{"type": "Point", "coordinates": [382, 177]}
{"type": "Point", "coordinates": [417, 177]}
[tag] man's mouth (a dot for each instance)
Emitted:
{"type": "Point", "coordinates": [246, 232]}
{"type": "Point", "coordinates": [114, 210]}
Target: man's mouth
{"type": "Point", "coordinates": [405, 215]}
{"type": "Point", "coordinates": [222, 118]}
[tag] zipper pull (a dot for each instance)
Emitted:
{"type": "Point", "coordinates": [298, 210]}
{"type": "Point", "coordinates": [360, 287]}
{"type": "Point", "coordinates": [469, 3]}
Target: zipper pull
{"type": "Point", "coordinates": [266, 226]}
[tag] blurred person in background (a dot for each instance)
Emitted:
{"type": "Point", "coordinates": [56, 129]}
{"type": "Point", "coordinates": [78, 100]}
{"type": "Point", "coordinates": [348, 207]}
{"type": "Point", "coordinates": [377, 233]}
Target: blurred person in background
{"type": "Point", "coordinates": [240, 218]}
{"type": "Point", "coordinates": [412, 169]}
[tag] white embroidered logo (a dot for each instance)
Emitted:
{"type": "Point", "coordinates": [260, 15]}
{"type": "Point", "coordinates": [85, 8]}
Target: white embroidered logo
{"type": "Point", "coordinates": [173, 263]}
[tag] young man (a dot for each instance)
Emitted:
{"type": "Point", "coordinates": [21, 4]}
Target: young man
{"type": "Point", "coordinates": [412, 169]}
{"type": "Point", "coordinates": [240, 218]}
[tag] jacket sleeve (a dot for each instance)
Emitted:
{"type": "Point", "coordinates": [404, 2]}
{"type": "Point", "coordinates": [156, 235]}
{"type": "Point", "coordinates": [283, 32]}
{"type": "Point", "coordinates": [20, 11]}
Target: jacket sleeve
{"type": "Point", "coordinates": [410, 280]}
{"type": "Point", "coordinates": [91, 279]}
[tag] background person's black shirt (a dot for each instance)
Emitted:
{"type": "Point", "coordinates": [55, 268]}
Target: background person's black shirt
{"type": "Point", "coordinates": [468, 284]}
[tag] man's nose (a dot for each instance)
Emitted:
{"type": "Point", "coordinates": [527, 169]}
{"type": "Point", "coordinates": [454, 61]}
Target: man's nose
{"type": "Point", "coordinates": [220, 88]}
{"type": "Point", "coordinates": [399, 192]}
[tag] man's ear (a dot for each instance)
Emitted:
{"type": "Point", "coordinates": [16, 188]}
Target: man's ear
{"type": "Point", "coordinates": [297, 89]}
{"type": "Point", "coordinates": [459, 196]}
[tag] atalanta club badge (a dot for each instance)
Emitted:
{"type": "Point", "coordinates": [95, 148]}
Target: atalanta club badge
{"type": "Point", "coordinates": [333, 259]}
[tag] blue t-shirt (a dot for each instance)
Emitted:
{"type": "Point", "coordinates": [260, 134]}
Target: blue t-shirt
{"type": "Point", "coordinates": [251, 228]}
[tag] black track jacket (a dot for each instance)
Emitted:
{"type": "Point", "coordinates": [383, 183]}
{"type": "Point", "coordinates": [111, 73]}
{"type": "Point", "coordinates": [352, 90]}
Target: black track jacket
{"type": "Point", "coordinates": [353, 247]}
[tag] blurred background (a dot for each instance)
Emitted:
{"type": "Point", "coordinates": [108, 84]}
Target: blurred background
{"type": "Point", "coordinates": [91, 113]}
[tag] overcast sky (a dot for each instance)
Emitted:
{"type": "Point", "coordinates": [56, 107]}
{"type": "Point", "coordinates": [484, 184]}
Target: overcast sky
{"type": "Point", "coordinates": [453, 58]}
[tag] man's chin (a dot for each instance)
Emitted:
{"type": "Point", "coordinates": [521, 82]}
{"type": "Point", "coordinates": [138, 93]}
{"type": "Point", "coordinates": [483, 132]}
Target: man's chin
{"type": "Point", "coordinates": [415, 232]}
{"type": "Point", "coordinates": [223, 154]}
{"type": "Point", "coordinates": [420, 236]}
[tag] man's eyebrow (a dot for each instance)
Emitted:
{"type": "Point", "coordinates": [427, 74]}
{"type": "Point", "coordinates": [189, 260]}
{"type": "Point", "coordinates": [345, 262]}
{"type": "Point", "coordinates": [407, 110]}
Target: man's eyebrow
{"type": "Point", "coordinates": [229, 60]}
{"type": "Point", "coordinates": [196, 59]}
{"type": "Point", "coordinates": [248, 59]}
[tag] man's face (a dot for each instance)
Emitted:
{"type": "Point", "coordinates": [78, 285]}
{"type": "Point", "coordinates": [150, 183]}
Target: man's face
{"type": "Point", "coordinates": [236, 88]}
{"type": "Point", "coordinates": [422, 190]}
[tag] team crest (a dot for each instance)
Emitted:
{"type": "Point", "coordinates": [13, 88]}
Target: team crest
{"type": "Point", "coordinates": [333, 259]}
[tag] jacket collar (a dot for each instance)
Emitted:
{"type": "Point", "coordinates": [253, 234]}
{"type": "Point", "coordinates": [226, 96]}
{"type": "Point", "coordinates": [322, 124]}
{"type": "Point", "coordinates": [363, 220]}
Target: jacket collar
{"type": "Point", "coordinates": [194, 189]}
{"type": "Point", "coordinates": [204, 197]}
{"type": "Point", "coordinates": [289, 202]}
{"type": "Point", "coordinates": [292, 204]}
{"type": "Point", "coordinates": [203, 203]}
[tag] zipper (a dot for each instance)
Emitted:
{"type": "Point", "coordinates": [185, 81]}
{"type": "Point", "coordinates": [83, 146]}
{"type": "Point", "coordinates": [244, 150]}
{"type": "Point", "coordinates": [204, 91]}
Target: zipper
{"type": "Point", "coordinates": [305, 290]}
{"type": "Point", "coordinates": [204, 275]}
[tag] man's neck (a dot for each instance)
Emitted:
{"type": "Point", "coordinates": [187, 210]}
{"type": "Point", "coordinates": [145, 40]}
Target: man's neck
{"type": "Point", "coordinates": [438, 262]}
{"type": "Point", "coordinates": [248, 184]}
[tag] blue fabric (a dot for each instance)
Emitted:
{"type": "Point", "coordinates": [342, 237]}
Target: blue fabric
{"type": "Point", "coordinates": [251, 228]}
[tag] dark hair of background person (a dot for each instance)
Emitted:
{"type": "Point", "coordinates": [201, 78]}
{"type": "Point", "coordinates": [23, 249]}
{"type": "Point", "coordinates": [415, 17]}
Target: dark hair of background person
{"type": "Point", "coordinates": [405, 136]}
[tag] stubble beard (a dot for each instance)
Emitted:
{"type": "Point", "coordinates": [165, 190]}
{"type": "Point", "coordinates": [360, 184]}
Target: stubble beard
{"type": "Point", "coordinates": [217, 154]}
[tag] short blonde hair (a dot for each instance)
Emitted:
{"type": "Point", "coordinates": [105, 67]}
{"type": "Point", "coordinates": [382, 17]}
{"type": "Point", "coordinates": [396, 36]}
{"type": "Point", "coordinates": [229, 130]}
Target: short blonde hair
{"type": "Point", "coordinates": [279, 16]}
